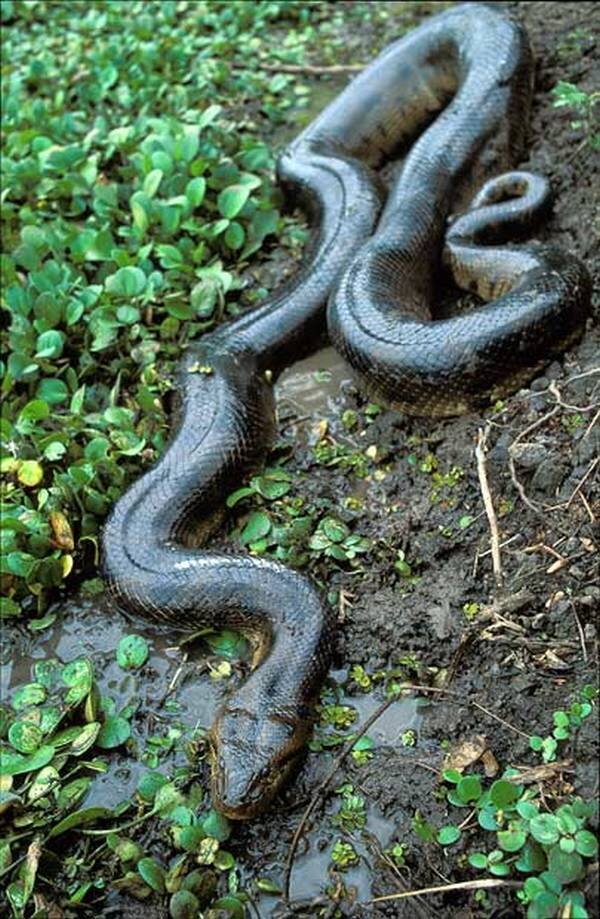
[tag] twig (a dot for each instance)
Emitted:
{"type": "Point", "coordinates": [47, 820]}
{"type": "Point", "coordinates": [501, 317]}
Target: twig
{"type": "Point", "coordinates": [580, 632]}
{"type": "Point", "coordinates": [567, 504]}
{"type": "Point", "coordinates": [590, 426]}
{"type": "Point", "coordinates": [480, 452]}
{"type": "Point", "coordinates": [444, 888]}
{"type": "Point", "coordinates": [511, 462]}
{"type": "Point", "coordinates": [314, 70]}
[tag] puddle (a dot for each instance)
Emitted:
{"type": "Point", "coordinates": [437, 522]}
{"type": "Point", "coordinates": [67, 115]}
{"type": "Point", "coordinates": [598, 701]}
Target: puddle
{"type": "Point", "coordinates": [313, 385]}
{"type": "Point", "coordinates": [92, 628]}
{"type": "Point", "coordinates": [323, 91]}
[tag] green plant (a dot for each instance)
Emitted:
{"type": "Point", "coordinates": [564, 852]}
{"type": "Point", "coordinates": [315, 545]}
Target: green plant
{"type": "Point", "coordinates": [344, 855]}
{"type": "Point", "coordinates": [352, 813]}
{"type": "Point", "coordinates": [565, 722]}
{"type": "Point", "coordinates": [583, 104]}
{"type": "Point", "coordinates": [545, 842]}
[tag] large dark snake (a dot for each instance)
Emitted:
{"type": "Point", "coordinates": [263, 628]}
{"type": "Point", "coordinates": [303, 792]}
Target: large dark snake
{"type": "Point", "coordinates": [461, 84]}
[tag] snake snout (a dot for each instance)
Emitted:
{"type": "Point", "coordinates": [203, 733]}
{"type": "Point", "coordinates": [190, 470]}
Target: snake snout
{"type": "Point", "coordinates": [252, 759]}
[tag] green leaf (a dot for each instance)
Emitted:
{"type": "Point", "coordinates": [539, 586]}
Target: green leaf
{"type": "Point", "coordinates": [16, 764]}
{"type": "Point", "coordinates": [30, 473]}
{"type": "Point", "coordinates": [132, 652]}
{"type": "Point", "coordinates": [50, 344]}
{"type": "Point", "coordinates": [53, 392]}
{"type": "Point", "coordinates": [78, 675]}
{"type": "Point", "coordinates": [566, 867]}
{"type": "Point", "coordinates": [25, 736]}
{"type": "Point", "coordinates": [334, 529]}
{"type": "Point", "coordinates": [512, 840]}
{"type": "Point", "coordinates": [152, 873]}
{"type": "Point", "coordinates": [448, 835]}
{"type": "Point", "coordinates": [149, 784]}
{"type": "Point", "coordinates": [531, 858]}
{"type": "Point", "coordinates": [478, 860]}
{"type": "Point", "coordinates": [503, 794]}
{"type": "Point", "coordinates": [194, 191]}
{"type": "Point", "coordinates": [184, 905]}
{"type": "Point", "coordinates": [469, 789]}
{"type": "Point", "coordinates": [114, 732]}
{"type": "Point", "coordinates": [152, 182]}
{"type": "Point", "coordinates": [586, 843]}
{"type": "Point", "coordinates": [227, 644]}
{"type": "Point", "coordinates": [80, 818]}
{"type": "Point", "coordinates": [452, 776]}
{"type": "Point", "coordinates": [204, 297]}
{"type": "Point", "coordinates": [29, 694]}
{"type": "Point", "coordinates": [232, 199]}
{"type": "Point", "coordinates": [126, 282]}
{"type": "Point", "coordinates": [257, 525]}
{"type": "Point", "coordinates": [216, 825]}
{"type": "Point", "coordinates": [234, 236]}
{"type": "Point", "coordinates": [544, 829]}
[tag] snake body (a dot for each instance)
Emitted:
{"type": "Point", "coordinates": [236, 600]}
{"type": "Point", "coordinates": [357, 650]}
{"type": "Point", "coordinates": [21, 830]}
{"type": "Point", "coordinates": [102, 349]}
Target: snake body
{"type": "Point", "coordinates": [461, 84]}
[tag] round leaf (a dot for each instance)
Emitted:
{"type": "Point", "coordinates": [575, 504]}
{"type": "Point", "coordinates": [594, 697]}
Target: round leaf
{"type": "Point", "coordinates": [503, 793]}
{"type": "Point", "coordinates": [30, 473]}
{"type": "Point", "coordinates": [184, 905]}
{"type": "Point", "coordinates": [544, 828]}
{"type": "Point", "coordinates": [586, 843]}
{"type": "Point", "coordinates": [114, 732]}
{"type": "Point", "coordinates": [132, 652]}
{"type": "Point", "coordinates": [126, 282]}
{"type": "Point", "coordinates": [448, 835]}
{"type": "Point", "coordinates": [565, 866]}
{"type": "Point", "coordinates": [232, 199]}
{"type": "Point", "coordinates": [469, 789]}
{"type": "Point", "coordinates": [25, 736]}
{"type": "Point", "coordinates": [257, 525]}
{"type": "Point", "coordinates": [152, 873]}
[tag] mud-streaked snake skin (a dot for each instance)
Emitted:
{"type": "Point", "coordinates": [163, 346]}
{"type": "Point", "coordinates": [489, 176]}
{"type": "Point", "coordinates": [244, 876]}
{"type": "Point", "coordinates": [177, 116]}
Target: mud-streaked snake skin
{"type": "Point", "coordinates": [452, 96]}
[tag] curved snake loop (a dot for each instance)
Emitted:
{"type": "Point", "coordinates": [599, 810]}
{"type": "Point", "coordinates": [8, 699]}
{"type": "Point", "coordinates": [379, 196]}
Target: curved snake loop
{"type": "Point", "coordinates": [458, 89]}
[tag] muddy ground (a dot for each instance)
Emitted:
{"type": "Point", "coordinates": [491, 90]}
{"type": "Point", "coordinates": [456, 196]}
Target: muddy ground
{"type": "Point", "coordinates": [523, 654]}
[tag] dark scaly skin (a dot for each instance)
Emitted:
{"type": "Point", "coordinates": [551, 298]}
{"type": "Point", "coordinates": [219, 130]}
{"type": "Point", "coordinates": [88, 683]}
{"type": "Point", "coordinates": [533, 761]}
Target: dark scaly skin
{"type": "Point", "coordinates": [473, 65]}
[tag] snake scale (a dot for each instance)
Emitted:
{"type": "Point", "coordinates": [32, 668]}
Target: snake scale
{"type": "Point", "coordinates": [453, 98]}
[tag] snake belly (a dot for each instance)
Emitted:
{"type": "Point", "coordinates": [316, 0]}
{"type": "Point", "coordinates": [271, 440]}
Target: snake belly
{"type": "Point", "coordinates": [458, 90]}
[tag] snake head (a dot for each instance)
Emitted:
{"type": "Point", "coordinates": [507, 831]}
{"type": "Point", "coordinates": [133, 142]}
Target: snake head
{"type": "Point", "coordinates": [253, 755]}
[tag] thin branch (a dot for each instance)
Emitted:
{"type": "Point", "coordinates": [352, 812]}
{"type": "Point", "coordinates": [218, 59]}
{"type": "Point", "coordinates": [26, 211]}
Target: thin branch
{"type": "Point", "coordinates": [482, 884]}
{"type": "Point", "coordinates": [313, 70]}
{"type": "Point", "coordinates": [480, 452]}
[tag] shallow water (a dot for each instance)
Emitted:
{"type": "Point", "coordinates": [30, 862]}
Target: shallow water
{"type": "Point", "coordinates": [313, 385]}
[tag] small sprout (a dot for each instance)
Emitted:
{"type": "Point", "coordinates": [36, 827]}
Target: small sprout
{"type": "Point", "coordinates": [409, 738]}
{"type": "Point", "coordinates": [470, 609]}
{"type": "Point", "coordinates": [344, 855]}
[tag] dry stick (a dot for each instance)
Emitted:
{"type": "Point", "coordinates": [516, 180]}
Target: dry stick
{"type": "Point", "coordinates": [411, 687]}
{"type": "Point", "coordinates": [480, 452]}
{"type": "Point", "coordinates": [511, 462]}
{"type": "Point", "coordinates": [314, 70]}
{"type": "Point", "coordinates": [567, 504]}
{"type": "Point", "coordinates": [591, 425]}
{"type": "Point", "coordinates": [580, 632]}
{"type": "Point", "coordinates": [444, 888]}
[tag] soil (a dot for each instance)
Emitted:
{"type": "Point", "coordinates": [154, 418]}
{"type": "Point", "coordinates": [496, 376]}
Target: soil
{"type": "Point", "coordinates": [533, 641]}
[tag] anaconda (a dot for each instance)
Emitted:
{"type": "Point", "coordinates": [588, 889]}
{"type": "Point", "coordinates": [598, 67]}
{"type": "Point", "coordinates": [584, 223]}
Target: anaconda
{"type": "Point", "coordinates": [453, 98]}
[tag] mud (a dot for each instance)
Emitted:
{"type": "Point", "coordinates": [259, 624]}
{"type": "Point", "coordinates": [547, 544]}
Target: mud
{"type": "Point", "coordinates": [531, 644]}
